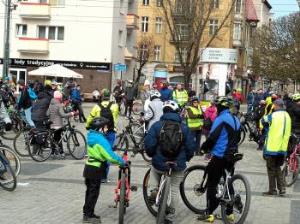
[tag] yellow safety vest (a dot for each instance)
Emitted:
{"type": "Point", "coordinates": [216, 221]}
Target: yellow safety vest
{"type": "Point", "coordinates": [181, 97]}
{"type": "Point", "coordinates": [279, 133]}
{"type": "Point", "coordinates": [195, 122]}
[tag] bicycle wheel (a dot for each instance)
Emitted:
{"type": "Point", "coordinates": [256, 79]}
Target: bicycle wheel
{"type": "Point", "coordinates": [291, 170]}
{"type": "Point", "coordinates": [15, 130]}
{"type": "Point", "coordinates": [21, 144]}
{"type": "Point", "coordinates": [122, 204]}
{"type": "Point", "coordinates": [191, 191]}
{"type": "Point", "coordinates": [12, 158]}
{"type": "Point", "coordinates": [147, 188]}
{"type": "Point", "coordinates": [121, 142]}
{"type": "Point", "coordinates": [76, 145]}
{"type": "Point", "coordinates": [8, 180]}
{"type": "Point", "coordinates": [163, 200]}
{"type": "Point", "coordinates": [240, 200]}
{"type": "Point", "coordinates": [40, 153]}
{"type": "Point", "coordinates": [137, 107]}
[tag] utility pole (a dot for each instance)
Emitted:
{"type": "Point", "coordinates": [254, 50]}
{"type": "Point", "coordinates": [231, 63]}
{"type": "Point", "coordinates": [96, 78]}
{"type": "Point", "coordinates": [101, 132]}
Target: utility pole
{"type": "Point", "coordinates": [7, 16]}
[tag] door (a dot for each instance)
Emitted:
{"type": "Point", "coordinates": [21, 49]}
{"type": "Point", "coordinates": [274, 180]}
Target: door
{"type": "Point", "coordinates": [17, 74]}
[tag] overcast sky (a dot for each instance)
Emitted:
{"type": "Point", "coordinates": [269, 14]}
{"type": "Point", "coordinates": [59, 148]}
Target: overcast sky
{"type": "Point", "coordinates": [283, 7]}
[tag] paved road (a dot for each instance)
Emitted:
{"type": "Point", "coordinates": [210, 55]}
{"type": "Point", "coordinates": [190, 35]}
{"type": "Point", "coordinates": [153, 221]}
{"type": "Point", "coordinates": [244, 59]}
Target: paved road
{"type": "Point", "coordinates": [53, 192]}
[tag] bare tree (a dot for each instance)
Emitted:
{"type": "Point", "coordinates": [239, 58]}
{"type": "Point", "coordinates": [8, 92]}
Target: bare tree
{"type": "Point", "coordinates": [188, 23]}
{"type": "Point", "coordinates": [145, 50]}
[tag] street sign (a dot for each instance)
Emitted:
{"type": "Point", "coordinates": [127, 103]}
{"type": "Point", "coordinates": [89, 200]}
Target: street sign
{"type": "Point", "coordinates": [120, 67]}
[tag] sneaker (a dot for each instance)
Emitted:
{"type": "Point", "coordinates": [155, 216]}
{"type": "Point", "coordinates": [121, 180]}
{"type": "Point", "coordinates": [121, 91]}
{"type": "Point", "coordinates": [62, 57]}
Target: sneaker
{"type": "Point", "coordinates": [269, 193]}
{"type": "Point", "coordinates": [104, 181]}
{"type": "Point", "coordinates": [91, 219]}
{"type": "Point", "coordinates": [282, 193]}
{"type": "Point", "coordinates": [206, 218]}
{"type": "Point", "coordinates": [230, 218]}
{"type": "Point", "coordinates": [167, 221]}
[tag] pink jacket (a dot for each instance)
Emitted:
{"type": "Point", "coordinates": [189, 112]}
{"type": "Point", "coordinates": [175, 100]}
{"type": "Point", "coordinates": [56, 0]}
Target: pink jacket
{"type": "Point", "coordinates": [211, 113]}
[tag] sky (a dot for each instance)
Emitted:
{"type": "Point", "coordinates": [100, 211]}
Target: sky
{"type": "Point", "coordinates": [283, 7]}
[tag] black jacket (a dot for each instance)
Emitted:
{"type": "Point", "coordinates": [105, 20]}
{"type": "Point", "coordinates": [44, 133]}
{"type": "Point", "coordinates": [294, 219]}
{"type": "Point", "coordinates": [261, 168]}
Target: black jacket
{"type": "Point", "coordinates": [40, 106]}
{"type": "Point", "coordinates": [294, 112]}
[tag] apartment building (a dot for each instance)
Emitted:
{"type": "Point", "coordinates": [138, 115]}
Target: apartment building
{"type": "Point", "coordinates": [228, 57]}
{"type": "Point", "coordinates": [263, 8]}
{"type": "Point", "coordinates": [89, 37]}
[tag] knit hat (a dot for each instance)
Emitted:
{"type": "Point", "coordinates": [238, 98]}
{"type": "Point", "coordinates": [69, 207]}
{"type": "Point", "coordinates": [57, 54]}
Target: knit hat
{"type": "Point", "coordinates": [57, 95]}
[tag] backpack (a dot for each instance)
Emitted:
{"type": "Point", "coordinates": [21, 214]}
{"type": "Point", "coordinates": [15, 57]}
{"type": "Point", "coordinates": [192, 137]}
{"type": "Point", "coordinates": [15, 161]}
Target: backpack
{"type": "Point", "coordinates": [170, 139]}
{"type": "Point", "coordinates": [106, 112]}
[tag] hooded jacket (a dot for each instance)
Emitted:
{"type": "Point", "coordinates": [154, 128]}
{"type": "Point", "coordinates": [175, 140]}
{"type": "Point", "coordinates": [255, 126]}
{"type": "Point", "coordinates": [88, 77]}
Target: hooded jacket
{"type": "Point", "coordinates": [152, 145]}
{"type": "Point", "coordinates": [166, 94]}
{"type": "Point", "coordinates": [40, 106]}
{"type": "Point", "coordinates": [154, 112]}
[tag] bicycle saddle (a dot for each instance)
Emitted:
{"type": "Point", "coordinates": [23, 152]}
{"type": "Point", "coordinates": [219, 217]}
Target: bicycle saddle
{"type": "Point", "coordinates": [237, 157]}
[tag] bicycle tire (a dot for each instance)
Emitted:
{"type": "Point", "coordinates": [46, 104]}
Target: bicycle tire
{"type": "Point", "coordinates": [5, 184]}
{"type": "Point", "coordinates": [40, 153]}
{"type": "Point", "coordinates": [246, 205]}
{"type": "Point", "coordinates": [122, 205]}
{"type": "Point", "coordinates": [195, 193]}
{"type": "Point", "coordinates": [21, 147]}
{"type": "Point", "coordinates": [74, 137]}
{"type": "Point", "coordinates": [121, 142]}
{"type": "Point", "coordinates": [163, 201]}
{"type": "Point", "coordinates": [14, 160]}
{"type": "Point", "coordinates": [15, 130]}
{"type": "Point", "coordinates": [293, 163]}
{"type": "Point", "coordinates": [145, 193]}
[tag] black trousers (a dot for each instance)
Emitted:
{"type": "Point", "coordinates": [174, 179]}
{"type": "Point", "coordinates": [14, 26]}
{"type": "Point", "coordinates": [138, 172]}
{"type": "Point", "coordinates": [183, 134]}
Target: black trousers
{"type": "Point", "coordinates": [215, 170]}
{"type": "Point", "coordinates": [91, 195]}
{"type": "Point", "coordinates": [57, 139]}
{"type": "Point", "coordinates": [128, 106]}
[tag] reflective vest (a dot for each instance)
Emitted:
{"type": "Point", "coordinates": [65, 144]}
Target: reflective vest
{"type": "Point", "coordinates": [195, 122]}
{"type": "Point", "coordinates": [181, 97]}
{"type": "Point", "coordinates": [279, 132]}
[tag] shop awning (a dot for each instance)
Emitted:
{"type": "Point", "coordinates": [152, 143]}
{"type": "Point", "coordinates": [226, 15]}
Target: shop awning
{"type": "Point", "coordinates": [55, 70]}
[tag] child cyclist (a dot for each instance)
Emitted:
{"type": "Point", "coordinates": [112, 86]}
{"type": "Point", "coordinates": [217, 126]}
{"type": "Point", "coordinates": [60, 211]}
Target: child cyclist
{"type": "Point", "coordinates": [99, 152]}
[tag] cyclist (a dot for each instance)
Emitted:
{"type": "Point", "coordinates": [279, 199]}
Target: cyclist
{"type": "Point", "coordinates": [156, 145]}
{"type": "Point", "coordinates": [109, 110]}
{"type": "Point", "coordinates": [223, 141]}
{"type": "Point", "coordinates": [195, 120]}
{"type": "Point", "coordinates": [154, 109]}
{"type": "Point", "coordinates": [75, 97]}
{"type": "Point", "coordinates": [99, 152]}
{"type": "Point", "coordinates": [294, 111]}
{"type": "Point", "coordinates": [180, 95]}
{"type": "Point", "coordinates": [275, 149]}
{"type": "Point", "coordinates": [130, 94]}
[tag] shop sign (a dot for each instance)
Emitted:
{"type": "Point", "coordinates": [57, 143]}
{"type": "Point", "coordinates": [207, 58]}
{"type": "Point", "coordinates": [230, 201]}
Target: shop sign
{"type": "Point", "coordinates": [219, 55]}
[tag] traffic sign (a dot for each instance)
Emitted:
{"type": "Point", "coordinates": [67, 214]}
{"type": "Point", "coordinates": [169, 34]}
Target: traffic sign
{"type": "Point", "coordinates": [120, 67]}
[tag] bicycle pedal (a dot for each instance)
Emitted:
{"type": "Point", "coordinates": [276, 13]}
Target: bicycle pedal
{"type": "Point", "coordinates": [133, 188]}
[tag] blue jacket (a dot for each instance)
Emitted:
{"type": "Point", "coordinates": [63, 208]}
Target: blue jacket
{"type": "Point", "coordinates": [152, 144]}
{"type": "Point", "coordinates": [166, 94]}
{"type": "Point", "coordinates": [75, 95]}
{"type": "Point", "coordinates": [224, 135]}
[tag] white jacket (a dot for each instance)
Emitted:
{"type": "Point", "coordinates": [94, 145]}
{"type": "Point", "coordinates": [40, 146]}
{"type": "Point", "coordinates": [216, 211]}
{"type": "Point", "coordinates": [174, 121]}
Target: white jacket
{"type": "Point", "coordinates": [153, 112]}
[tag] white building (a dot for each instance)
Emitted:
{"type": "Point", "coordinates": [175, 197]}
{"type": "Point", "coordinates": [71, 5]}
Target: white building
{"type": "Point", "coordinates": [263, 8]}
{"type": "Point", "coordinates": [86, 36]}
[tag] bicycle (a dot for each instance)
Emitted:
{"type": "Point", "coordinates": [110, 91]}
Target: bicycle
{"type": "Point", "coordinates": [193, 187]}
{"type": "Point", "coordinates": [291, 167]}
{"type": "Point", "coordinates": [16, 125]}
{"type": "Point", "coordinates": [163, 196]}
{"type": "Point", "coordinates": [123, 189]}
{"type": "Point", "coordinates": [135, 132]}
{"type": "Point", "coordinates": [8, 180]}
{"type": "Point", "coordinates": [41, 151]}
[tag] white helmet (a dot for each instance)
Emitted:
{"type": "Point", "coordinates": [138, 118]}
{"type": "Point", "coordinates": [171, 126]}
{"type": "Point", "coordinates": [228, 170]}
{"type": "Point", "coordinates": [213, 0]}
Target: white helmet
{"type": "Point", "coordinates": [154, 93]}
{"type": "Point", "coordinates": [172, 105]}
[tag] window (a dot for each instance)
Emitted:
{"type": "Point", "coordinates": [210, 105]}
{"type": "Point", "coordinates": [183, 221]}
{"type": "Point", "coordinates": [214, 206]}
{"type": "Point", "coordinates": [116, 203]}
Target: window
{"type": "Point", "coordinates": [145, 20]}
{"type": "Point", "coordinates": [159, 3]}
{"type": "Point", "coordinates": [237, 31]}
{"type": "Point", "coordinates": [145, 2]}
{"type": "Point", "coordinates": [21, 30]}
{"type": "Point", "coordinates": [43, 1]}
{"type": "Point", "coordinates": [157, 53]}
{"type": "Point", "coordinates": [158, 24]}
{"type": "Point", "coordinates": [213, 26]}
{"type": "Point", "coordinates": [57, 2]}
{"type": "Point", "coordinates": [51, 32]}
{"type": "Point", "coordinates": [183, 53]}
{"type": "Point", "coordinates": [238, 6]}
{"type": "Point", "coordinates": [144, 52]}
{"type": "Point", "coordinates": [42, 32]}
{"type": "Point", "coordinates": [121, 38]}
{"type": "Point", "coordinates": [215, 4]}
{"type": "Point", "coordinates": [182, 31]}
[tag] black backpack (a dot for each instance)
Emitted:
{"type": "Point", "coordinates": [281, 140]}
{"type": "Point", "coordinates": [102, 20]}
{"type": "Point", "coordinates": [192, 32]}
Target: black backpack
{"type": "Point", "coordinates": [170, 139]}
{"type": "Point", "coordinates": [106, 112]}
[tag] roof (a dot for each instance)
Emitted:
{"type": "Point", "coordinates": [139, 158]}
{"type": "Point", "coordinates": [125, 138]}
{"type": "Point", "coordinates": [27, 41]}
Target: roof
{"type": "Point", "coordinates": [267, 4]}
{"type": "Point", "coordinates": [251, 12]}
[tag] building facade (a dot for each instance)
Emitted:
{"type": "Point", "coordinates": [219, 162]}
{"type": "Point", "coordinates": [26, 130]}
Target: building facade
{"type": "Point", "coordinates": [89, 37]}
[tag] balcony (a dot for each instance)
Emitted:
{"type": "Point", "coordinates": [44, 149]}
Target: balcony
{"type": "Point", "coordinates": [34, 10]}
{"type": "Point", "coordinates": [130, 53]}
{"type": "Point", "coordinates": [132, 21]}
{"type": "Point", "coordinates": [180, 38]}
{"type": "Point", "coordinates": [33, 45]}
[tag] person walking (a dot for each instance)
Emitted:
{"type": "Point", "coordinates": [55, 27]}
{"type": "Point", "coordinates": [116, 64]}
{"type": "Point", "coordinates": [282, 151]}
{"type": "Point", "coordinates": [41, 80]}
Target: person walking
{"type": "Point", "coordinates": [75, 98]}
{"type": "Point", "coordinates": [130, 94]}
{"type": "Point", "coordinates": [169, 140]}
{"type": "Point", "coordinates": [180, 95]}
{"type": "Point", "coordinates": [195, 120]}
{"type": "Point", "coordinates": [278, 126]}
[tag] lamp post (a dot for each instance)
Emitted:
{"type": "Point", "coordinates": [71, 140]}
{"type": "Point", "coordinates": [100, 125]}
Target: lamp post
{"type": "Point", "coordinates": [7, 17]}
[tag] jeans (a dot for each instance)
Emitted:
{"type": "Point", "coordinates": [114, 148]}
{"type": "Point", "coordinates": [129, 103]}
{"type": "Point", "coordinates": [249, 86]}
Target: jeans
{"type": "Point", "coordinates": [111, 137]}
{"type": "Point", "coordinates": [91, 195]}
{"type": "Point", "coordinates": [28, 117]}
{"type": "Point", "coordinates": [197, 137]}
{"type": "Point", "coordinates": [176, 179]}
